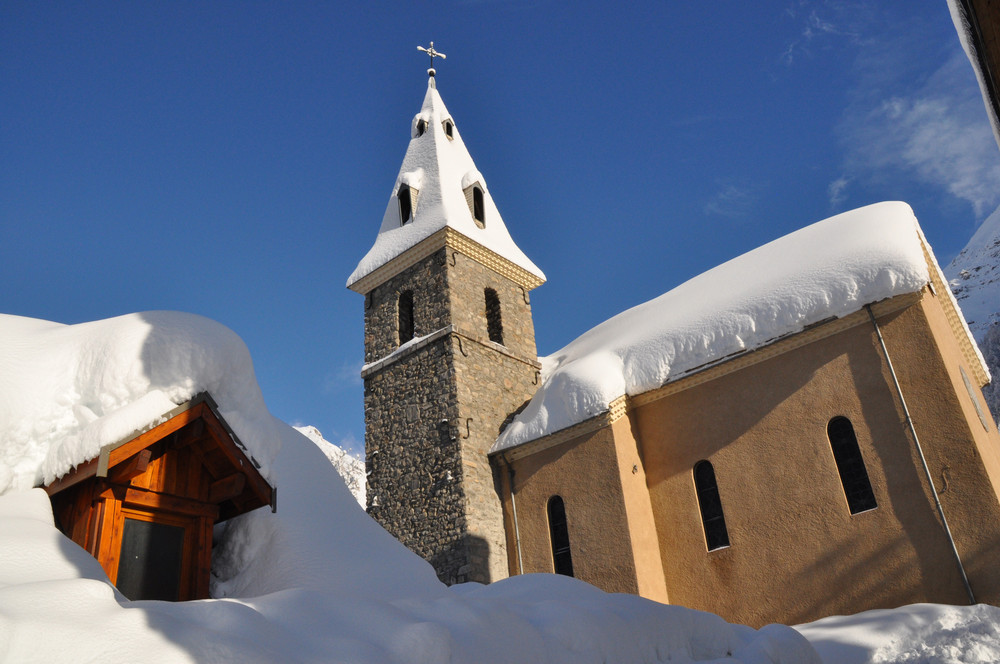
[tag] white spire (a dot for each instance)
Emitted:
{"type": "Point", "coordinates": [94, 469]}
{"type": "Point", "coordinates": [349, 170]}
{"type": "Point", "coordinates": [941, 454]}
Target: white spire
{"type": "Point", "coordinates": [441, 176]}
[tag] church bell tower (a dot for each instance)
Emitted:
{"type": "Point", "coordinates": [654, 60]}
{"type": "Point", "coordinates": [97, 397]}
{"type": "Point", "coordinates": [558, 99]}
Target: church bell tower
{"type": "Point", "coordinates": [449, 352]}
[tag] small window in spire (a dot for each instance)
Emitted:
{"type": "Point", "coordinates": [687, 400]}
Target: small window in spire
{"type": "Point", "coordinates": [477, 203]}
{"type": "Point", "coordinates": [421, 127]}
{"type": "Point", "coordinates": [405, 204]}
{"type": "Point", "coordinates": [449, 129]}
{"type": "Point", "coordinates": [478, 212]}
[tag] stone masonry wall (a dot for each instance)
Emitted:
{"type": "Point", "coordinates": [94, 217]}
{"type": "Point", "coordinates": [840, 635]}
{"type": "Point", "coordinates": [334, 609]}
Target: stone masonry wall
{"type": "Point", "coordinates": [493, 381]}
{"type": "Point", "coordinates": [433, 409]}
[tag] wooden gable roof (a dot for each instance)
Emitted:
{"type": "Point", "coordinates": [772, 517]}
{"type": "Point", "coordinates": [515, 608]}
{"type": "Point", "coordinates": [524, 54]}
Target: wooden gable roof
{"type": "Point", "coordinates": [191, 454]}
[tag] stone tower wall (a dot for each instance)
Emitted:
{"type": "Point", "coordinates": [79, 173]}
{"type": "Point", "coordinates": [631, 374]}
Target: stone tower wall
{"type": "Point", "coordinates": [434, 408]}
{"type": "Point", "coordinates": [493, 381]}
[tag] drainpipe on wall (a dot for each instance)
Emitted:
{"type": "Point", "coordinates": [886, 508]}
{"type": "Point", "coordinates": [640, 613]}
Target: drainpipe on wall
{"type": "Point", "coordinates": [513, 511]}
{"type": "Point", "coordinates": [920, 453]}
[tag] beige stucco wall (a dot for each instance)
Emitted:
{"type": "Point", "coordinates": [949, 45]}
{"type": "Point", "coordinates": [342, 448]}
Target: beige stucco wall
{"type": "Point", "coordinates": [962, 453]}
{"type": "Point", "coordinates": [796, 552]}
{"type": "Point", "coordinates": [584, 472]}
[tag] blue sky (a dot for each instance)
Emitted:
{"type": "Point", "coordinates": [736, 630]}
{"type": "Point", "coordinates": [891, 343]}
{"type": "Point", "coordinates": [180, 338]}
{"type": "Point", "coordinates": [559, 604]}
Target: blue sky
{"type": "Point", "coordinates": [234, 159]}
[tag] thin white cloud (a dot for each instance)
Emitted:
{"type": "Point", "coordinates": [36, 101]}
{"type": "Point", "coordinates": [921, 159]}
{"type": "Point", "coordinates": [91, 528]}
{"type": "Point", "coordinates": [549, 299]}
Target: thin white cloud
{"type": "Point", "coordinates": [837, 190]}
{"type": "Point", "coordinates": [733, 201]}
{"type": "Point", "coordinates": [936, 133]}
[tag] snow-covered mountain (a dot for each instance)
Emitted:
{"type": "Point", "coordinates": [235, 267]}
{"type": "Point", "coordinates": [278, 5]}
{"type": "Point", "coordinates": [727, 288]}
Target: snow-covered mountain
{"type": "Point", "coordinates": [350, 467]}
{"type": "Point", "coordinates": [974, 277]}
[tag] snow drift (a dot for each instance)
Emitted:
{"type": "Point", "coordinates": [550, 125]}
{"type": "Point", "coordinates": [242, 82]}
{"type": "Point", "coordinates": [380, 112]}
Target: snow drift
{"type": "Point", "coordinates": [319, 581]}
{"type": "Point", "coordinates": [829, 269]}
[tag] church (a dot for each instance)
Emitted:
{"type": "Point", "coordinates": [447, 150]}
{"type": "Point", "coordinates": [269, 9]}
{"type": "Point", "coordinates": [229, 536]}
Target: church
{"type": "Point", "coordinates": [797, 433]}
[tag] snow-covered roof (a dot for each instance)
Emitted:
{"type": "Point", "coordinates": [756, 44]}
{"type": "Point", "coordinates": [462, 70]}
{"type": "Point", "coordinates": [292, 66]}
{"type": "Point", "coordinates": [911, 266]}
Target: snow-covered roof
{"type": "Point", "coordinates": [68, 390]}
{"type": "Point", "coordinates": [439, 168]}
{"type": "Point", "coordinates": [829, 269]}
{"type": "Point", "coordinates": [971, 45]}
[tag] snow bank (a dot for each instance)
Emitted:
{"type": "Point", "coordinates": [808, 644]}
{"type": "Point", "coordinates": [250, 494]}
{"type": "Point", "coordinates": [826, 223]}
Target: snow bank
{"type": "Point", "coordinates": [358, 600]}
{"type": "Point", "coordinates": [917, 634]}
{"type": "Point", "coordinates": [318, 581]}
{"type": "Point", "coordinates": [829, 269]}
{"type": "Point", "coordinates": [439, 168]}
{"type": "Point", "coordinates": [67, 390]}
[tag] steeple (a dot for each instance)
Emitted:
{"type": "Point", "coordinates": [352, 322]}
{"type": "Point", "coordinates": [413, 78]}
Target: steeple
{"type": "Point", "coordinates": [449, 352]}
{"type": "Point", "coordinates": [439, 187]}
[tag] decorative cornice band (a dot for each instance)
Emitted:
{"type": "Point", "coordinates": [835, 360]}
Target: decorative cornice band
{"type": "Point", "coordinates": [447, 237]}
{"type": "Point", "coordinates": [955, 321]}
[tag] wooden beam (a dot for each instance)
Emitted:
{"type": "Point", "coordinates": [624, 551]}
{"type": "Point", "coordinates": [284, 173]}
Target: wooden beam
{"type": "Point", "coordinates": [227, 488]}
{"type": "Point", "coordinates": [75, 476]}
{"type": "Point", "coordinates": [240, 461]}
{"type": "Point", "coordinates": [188, 434]}
{"type": "Point", "coordinates": [124, 472]}
{"type": "Point", "coordinates": [144, 440]}
{"type": "Point", "coordinates": [160, 501]}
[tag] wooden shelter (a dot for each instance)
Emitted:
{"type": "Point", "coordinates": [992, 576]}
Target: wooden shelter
{"type": "Point", "coordinates": [145, 507]}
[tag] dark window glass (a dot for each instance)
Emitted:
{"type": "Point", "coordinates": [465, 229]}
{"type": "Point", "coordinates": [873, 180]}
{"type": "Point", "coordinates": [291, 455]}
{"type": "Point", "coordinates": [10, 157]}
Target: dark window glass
{"type": "Point", "coordinates": [150, 563]}
{"type": "Point", "coordinates": [850, 464]}
{"type": "Point", "coordinates": [421, 127]}
{"type": "Point", "coordinates": [716, 535]}
{"type": "Point", "coordinates": [494, 325]}
{"type": "Point", "coordinates": [405, 316]}
{"type": "Point", "coordinates": [405, 204]}
{"type": "Point", "coordinates": [478, 212]}
{"type": "Point", "coordinates": [562, 560]}
{"type": "Point", "coordinates": [448, 128]}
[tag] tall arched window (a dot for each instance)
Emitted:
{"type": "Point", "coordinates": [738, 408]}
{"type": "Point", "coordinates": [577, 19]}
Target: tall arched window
{"type": "Point", "coordinates": [851, 465]}
{"type": "Point", "coordinates": [405, 309]}
{"type": "Point", "coordinates": [494, 325]}
{"type": "Point", "coordinates": [478, 210]}
{"type": "Point", "coordinates": [716, 535]}
{"type": "Point", "coordinates": [405, 204]}
{"type": "Point", "coordinates": [562, 560]}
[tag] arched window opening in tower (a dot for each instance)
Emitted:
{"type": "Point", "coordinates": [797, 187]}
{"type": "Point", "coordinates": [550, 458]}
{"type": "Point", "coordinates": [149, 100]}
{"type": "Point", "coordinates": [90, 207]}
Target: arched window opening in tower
{"type": "Point", "coordinates": [421, 127]}
{"type": "Point", "coordinates": [712, 518]}
{"type": "Point", "coordinates": [405, 204]}
{"type": "Point", "coordinates": [449, 129]}
{"type": "Point", "coordinates": [405, 309]}
{"type": "Point", "coordinates": [562, 560]}
{"type": "Point", "coordinates": [851, 465]}
{"type": "Point", "coordinates": [478, 209]}
{"type": "Point", "coordinates": [494, 325]}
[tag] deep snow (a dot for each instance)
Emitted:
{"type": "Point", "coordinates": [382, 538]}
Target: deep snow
{"type": "Point", "coordinates": [828, 269]}
{"type": "Point", "coordinates": [319, 581]}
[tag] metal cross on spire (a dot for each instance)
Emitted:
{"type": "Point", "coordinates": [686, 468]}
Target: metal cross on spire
{"type": "Point", "coordinates": [434, 54]}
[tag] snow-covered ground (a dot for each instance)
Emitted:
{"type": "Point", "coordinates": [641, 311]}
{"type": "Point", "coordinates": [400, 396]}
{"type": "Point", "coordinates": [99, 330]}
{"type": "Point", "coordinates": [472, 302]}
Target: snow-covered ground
{"type": "Point", "coordinates": [319, 581]}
